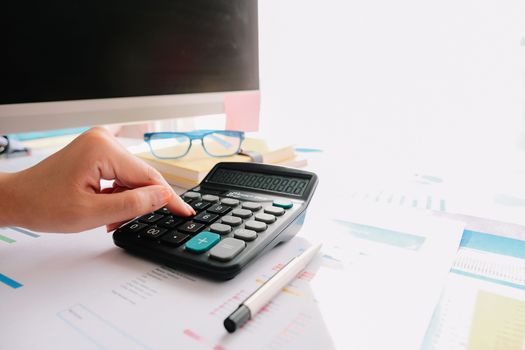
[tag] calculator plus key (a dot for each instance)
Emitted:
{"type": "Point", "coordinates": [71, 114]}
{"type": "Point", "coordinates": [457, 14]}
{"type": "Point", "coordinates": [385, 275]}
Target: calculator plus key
{"type": "Point", "coordinates": [202, 242]}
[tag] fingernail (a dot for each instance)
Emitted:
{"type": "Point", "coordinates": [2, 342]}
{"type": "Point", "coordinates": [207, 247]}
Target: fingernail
{"type": "Point", "coordinates": [162, 196]}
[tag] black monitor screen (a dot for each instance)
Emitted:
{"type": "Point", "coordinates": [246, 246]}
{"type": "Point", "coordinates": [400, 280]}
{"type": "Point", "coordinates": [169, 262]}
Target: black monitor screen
{"type": "Point", "coordinates": [69, 50]}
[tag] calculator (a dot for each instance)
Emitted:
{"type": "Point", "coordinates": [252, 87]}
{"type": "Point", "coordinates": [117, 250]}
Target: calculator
{"type": "Point", "coordinates": [243, 210]}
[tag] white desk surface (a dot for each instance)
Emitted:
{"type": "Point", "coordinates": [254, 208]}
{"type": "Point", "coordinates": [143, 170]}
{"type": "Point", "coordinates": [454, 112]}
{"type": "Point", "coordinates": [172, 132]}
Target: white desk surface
{"type": "Point", "coordinates": [338, 187]}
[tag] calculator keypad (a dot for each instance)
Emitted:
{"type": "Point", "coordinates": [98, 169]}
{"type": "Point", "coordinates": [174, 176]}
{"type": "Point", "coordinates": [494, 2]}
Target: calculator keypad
{"type": "Point", "coordinates": [223, 227]}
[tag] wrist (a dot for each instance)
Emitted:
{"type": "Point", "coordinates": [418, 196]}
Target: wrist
{"type": "Point", "coordinates": [9, 200]}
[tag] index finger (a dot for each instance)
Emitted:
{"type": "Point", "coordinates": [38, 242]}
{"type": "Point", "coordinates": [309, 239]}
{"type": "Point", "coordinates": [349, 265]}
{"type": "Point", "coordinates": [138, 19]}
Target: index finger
{"type": "Point", "coordinates": [131, 172]}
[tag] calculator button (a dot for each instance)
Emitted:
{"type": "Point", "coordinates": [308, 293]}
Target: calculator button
{"type": "Point", "coordinates": [266, 218]}
{"type": "Point", "coordinates": [251, 206]}
{"type": "Point", "coordinates": [134, 227]}
{"type": "Point", "coordinates": [219, 209]}
{"type": "Point", "coordinates": [210, 198]}
{"type": "Point", "coordinates": [163, 211]}
{"type": "Point", "coordinates": [202, 242]}
{"type": "Point", "coordinates": [256, 226]}
{"type": "Point", "coordinates": [151, 218]}
{"type": "Point", "coordinates": [231, 220]}
{"type": "Point", "coordinates": [277, 211]}
{"type": "Point", "coordinates": [191, 227]}
{"type": "Point", "coordinates": [200, 205]}
{"type": "Point", "coordinates": [206, 218]}
{"type": "Point", "coordinates": [174, 238]}
{"type": "Point", "coordinates": [244, 234]}
{"type": "Point", "coordinates": [242, 213]}
{"type": "Point", "coordinates": [191, 195]}
{"type": "Point", "coordinates": [170, 222]}
{"type": "Point", "coordinates": [153, 232]}
{"type": "Point", "coordinates": [227, 249]}
{"type": "Point", "coordinates": [283, 203]}
{"type": "Point", "coordinates": [220, 228]}
{"type": "Point", "coordinates": [230, 202]}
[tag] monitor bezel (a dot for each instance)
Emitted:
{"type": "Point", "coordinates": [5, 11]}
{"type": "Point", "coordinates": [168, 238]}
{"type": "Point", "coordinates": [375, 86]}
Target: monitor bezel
{"type": "Point", "coordinates": [39, 116]}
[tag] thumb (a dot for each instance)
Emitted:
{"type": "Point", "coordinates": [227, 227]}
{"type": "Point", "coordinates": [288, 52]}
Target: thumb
{"type": "Point", "coordinates": [123, 206]}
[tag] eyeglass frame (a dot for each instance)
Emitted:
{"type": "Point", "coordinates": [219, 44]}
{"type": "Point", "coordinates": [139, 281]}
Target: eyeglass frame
{"type": "Point", "coordinates": [195, 135]}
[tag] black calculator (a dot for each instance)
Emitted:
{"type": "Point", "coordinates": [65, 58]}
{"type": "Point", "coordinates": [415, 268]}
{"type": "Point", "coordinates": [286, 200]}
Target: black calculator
{"type": "Point", "coordinates": [243, 210]}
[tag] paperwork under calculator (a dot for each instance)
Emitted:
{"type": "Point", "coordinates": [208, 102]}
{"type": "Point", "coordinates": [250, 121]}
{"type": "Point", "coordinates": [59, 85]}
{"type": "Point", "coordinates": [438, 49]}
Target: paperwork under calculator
{"type": "Point", "coordinates": [79, 291]}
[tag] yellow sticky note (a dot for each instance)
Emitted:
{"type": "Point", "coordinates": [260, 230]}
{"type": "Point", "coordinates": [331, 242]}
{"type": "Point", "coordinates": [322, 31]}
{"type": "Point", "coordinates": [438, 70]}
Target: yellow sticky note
{"type": "Point", "coordinates": [498, 323]}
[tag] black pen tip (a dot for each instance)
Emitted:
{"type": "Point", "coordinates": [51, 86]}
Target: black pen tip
{"type": "Point", "coordinates": [237, 318]}
{"type": "Point", "coordinates": [230, 325]}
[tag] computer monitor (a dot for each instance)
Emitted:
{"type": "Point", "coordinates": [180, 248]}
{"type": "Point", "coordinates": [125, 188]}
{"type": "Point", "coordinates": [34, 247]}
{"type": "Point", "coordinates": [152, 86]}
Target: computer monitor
{"type": "Point", "coordinates": [68, 63]}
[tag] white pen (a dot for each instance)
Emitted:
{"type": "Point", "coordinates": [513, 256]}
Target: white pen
{"type": "Point", "coordinates": [251, 305]}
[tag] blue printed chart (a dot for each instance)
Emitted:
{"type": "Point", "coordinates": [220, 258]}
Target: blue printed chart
{"type": "Point", "coordinates": [9, 237]}
{"type": "Point", "coordinates": [483, 303]}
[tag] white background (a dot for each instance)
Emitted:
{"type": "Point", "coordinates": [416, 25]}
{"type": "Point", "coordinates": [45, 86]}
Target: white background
{"type": "Point", "coordinates": [433, 83]}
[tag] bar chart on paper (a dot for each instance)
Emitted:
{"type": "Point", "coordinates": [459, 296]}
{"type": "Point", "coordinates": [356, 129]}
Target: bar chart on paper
{"type": "Point", "coordinates": [9, 237]}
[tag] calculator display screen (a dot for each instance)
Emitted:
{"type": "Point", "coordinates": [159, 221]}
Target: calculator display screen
{"type": "Point", "coordinates": [272, 183]}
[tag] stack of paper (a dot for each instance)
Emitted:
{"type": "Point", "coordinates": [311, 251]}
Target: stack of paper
{"type": "Point", "coordinates": [190, 170]}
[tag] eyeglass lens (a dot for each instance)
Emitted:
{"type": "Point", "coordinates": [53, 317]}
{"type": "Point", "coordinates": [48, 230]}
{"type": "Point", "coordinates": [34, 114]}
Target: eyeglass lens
{"type": "Point", "coordinates": [221, 144]}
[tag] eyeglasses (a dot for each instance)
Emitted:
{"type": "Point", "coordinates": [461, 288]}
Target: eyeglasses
{"type": "Point", "coordinates": [173, 145]}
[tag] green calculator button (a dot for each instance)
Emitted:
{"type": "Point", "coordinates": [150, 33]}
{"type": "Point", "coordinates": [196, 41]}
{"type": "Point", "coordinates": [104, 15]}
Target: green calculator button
{"type": "Point", "coordinates": [283, 203]}
{"type": "Point", "coordinates": [202, 242]}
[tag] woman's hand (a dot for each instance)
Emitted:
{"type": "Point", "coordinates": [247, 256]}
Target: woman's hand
{"type": "Point", "coordinates": [63, 194]}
